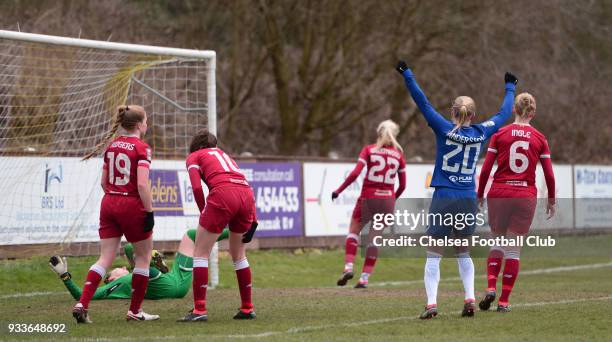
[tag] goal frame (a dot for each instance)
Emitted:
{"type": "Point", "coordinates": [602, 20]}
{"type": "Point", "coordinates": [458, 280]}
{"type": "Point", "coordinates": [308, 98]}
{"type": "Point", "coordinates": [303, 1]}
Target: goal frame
{"type": "Point", "coordinates": [209, 55]}
{"type": "Point", "coordinates": [136, 48]}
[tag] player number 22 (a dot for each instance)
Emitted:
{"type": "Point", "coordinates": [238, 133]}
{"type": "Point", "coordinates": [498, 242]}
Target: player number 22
{"type": "Point", "coordinates": [122, 169]}
{"type": "Point", "coordinates": [380, 163]}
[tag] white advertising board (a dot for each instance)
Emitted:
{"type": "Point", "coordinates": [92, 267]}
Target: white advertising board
{"type": "Point", "coordinates": [54, 200]}
{"type": "Point", "coordinates": [593, 186]}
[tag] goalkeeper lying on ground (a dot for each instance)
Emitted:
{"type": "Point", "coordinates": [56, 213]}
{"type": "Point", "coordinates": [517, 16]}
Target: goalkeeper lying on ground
{"type": "Point", "coordinates": [174, 284]}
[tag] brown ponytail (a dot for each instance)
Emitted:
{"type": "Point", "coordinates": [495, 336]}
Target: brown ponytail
{"type": "Point", "coordinates": [203, 139]}
{"type": "Point", "coordinates": [126, 117]}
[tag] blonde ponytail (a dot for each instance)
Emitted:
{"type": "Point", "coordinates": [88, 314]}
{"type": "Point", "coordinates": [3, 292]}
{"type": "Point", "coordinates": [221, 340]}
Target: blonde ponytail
{"type": "Point", "coordinates": [126, 117]}
{"type": "Point", "coordinates": [387, 132]}
{"type": "Point", "coordinates": [524, 104]}
{"type": "Point", "coordinates": [463, 108]}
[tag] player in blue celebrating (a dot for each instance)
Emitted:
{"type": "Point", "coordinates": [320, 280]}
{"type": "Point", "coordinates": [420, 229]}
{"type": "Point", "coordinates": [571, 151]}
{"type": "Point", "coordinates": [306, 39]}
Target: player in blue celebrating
{"type": "Point", "coordinates": [458, 145]}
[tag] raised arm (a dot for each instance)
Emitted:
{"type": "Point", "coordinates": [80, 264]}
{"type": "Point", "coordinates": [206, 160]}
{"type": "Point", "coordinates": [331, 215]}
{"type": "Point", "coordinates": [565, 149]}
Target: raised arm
{"type": "Point", "coordinates": [496, 121]}
{"type": "Point", "coordinates": [434, 119]}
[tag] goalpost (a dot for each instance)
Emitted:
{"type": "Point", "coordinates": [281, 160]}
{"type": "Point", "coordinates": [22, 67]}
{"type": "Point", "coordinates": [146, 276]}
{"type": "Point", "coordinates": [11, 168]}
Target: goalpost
{"type": "Point", "coordinates": [57, 97]}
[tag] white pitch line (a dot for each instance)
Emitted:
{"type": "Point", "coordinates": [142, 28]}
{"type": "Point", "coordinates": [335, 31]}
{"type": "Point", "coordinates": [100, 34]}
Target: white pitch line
{"type": "Point", "coordinates": [349, 324]}
{"type": "Point", "coordinates": [392, 283]}
{"type": "Point", "coordinates": [522, 273]}
{"type": "Point", "coordinates": [30, 294]}
{"type": "Point", "coordinates": [402, 318]}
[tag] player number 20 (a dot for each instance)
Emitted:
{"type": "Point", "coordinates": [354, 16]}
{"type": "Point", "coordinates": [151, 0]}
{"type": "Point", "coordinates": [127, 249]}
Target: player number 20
{"type": "Point", "coordinates": [465, 168]}
{"type": "Point", "coordinates": [122, 165]}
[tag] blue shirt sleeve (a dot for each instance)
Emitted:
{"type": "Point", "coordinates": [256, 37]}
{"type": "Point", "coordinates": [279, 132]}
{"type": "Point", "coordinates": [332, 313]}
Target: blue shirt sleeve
{"type": "Point", "coordinates": [496, 121]}
{"type": "Point", "coordinates": [435, 120]}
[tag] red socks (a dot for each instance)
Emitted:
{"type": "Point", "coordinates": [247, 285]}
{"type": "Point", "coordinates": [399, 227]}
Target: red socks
{"type": "Point", "coordinates": [140, 280]}
{"type": "Point", "coordinates": [350, 250]}
{"type": "Point", "coordinates": [95, 274]}
{"type": "Point", "coordinates": [243, 273]}
{"type": "Point", "coordinates": [370, 259]}
{"type": "Point", "coordinates": [511, 270]}
{"type": "Point", "coordinates": [494, 264]}
{"type": "Point", "coordinates": [200, 284]}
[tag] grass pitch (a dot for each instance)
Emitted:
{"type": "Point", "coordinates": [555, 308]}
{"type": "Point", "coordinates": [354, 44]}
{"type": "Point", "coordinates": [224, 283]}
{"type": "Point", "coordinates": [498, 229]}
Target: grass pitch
{"type": "Point", "coordinates": [296, 299]}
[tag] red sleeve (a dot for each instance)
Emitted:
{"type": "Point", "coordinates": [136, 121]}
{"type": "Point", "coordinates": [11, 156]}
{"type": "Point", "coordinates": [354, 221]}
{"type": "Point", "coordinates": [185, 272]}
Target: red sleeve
{"type": "Point", "coordinates": [361, 163]}
{"type": "Point", "coordinates": [485, 172]}
{"type": "Point", "coordinates": [104, 159]}
{"type": "Point", "coordinates": [549, 175]}
{"type": "Point", "coordinates": [196, 181]}
{"type": "Point", "coordinates": [401, 172]}
{"type": "Point", "coordinates": [144, 155]}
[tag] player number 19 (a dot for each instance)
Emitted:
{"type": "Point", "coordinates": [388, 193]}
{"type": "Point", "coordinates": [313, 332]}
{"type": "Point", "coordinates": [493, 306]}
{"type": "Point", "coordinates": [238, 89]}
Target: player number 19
{"type": "Point", "coordinates": [122, 169]}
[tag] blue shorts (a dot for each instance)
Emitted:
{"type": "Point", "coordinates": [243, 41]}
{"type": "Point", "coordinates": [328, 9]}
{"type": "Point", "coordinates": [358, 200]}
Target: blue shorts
{"type": "Point", "coordinates": [452, 209]}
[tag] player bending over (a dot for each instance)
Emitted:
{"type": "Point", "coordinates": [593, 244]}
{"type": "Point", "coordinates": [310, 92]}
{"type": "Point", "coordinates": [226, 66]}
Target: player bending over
{"type": "Point", "coordinates": [458, 144]}
{"type": "Point", "coordinates": [162, 284]}
{"type": "Point", "coordinates": [382, 160]}
{"type": "Point", "coordinates": [126, 209]}
{"type": "Point", "coordinates": [512, 197]}
{"type": "Point", "coordinates": [230, 202]}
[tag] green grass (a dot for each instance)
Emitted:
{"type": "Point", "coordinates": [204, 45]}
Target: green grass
{"type": "Point", "coordinates": [296, 299]}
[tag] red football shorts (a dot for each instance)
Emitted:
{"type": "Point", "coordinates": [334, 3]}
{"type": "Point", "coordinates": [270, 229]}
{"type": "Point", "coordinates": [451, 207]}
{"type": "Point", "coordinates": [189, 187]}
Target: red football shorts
{"type": "Point", "coordinates": [232, 206]}
{"type": "Point", "coordinates": [366, 208]}
{"type": "Point", "coordinates": [122, 215]}
{"type": "Point", "coordinates": [508, 211]}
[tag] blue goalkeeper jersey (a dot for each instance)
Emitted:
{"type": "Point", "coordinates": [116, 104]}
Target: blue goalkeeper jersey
{"type": "Point", "coordinates": [457, 152]}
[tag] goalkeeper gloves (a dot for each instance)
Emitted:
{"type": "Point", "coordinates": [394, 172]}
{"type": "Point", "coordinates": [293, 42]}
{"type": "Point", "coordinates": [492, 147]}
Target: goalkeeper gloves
{"type": "Point", "coordinates": [60, 266]}
{"type": "Point", "coordinates": [509, 78]}
{"type": "Point", "coordinates": [401, 67]}
{"type": "Point", "coordinates": [149, 221]}
{"type": "Point", "coordinates": [334, 195]}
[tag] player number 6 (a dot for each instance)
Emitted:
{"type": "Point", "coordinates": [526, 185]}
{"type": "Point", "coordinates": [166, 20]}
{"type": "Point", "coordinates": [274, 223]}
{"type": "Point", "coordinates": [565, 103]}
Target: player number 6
{"type": "Point", "coordinates": [516, 156]}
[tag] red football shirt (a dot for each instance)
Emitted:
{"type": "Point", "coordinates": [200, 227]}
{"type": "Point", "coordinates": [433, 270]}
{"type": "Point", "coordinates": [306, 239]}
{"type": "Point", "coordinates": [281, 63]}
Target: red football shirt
{"type": "Point", "coordinates": [518, 149]}
{"type": "Point", "coordinates": [215, 168]}
{"type": "Point", "coordinates": [121, 160]}
{"type": "Point", "coordinates": [383, 164]}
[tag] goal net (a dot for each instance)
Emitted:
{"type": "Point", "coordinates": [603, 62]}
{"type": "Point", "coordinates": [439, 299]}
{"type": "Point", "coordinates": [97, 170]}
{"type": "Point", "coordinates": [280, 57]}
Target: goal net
{"type": "Point", "coordinates": [57, 99]}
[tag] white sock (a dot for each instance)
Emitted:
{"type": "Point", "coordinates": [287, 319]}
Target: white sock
{"type": "Point", "coordinates": [466, 271]}
{"type": "Point", "coordinates": [432, 277]}
{"type": "Point", "coordinates": [364, 278]}
{"type": "Point", "coordinates": [348, 267]}
{"type": "Point", "coordinates": [200, 262]}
